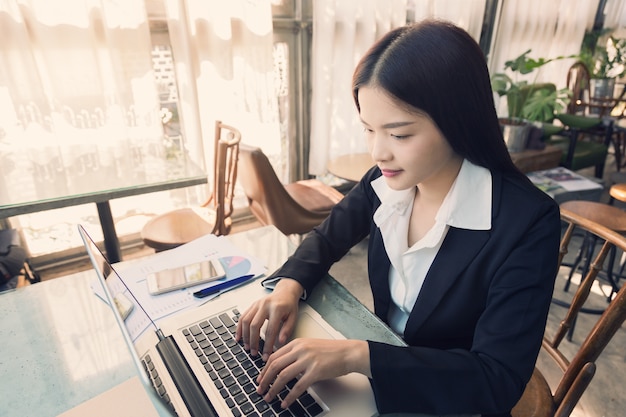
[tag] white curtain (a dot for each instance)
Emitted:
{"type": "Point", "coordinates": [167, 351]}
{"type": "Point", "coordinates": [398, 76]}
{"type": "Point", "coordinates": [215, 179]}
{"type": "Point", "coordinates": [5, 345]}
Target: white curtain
{"type": "Point", "coordinates": [342, 32]}
{"type": "Point", "coordinates": [78, 100]}
{"type": "Point", "coordinates": [549, 28]}
{"type": "Point", "coordinates": [615, 14]}
{"type": "Point", "coordinates": [76, 81]}
{"type": "Point", "coordinates": [467, 14]}
{"type": "Point", "coordinates": [224, 69]}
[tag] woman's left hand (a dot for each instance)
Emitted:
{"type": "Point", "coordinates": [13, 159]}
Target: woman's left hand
{"type": "Point", "coordinates": [313, 360]}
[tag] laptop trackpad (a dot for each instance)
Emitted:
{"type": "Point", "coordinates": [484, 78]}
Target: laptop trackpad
{"type": "Point", "coordinates": [348, 395]}
{"type": "Point", "coordinates": [309, 327]}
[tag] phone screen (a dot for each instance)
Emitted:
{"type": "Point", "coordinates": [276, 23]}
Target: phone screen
{"type": "Point", "coordinates": [186, 276]}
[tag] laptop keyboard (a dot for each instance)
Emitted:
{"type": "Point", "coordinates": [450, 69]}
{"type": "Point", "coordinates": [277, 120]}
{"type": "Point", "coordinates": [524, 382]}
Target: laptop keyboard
{"type": "Point", "coordinates": [156, 381]}
{"type": "Point", "coordinates": [234, 371]}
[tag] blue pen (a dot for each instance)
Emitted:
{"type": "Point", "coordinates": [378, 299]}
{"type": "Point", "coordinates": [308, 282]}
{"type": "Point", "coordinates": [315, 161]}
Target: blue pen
{"type": "Point", "coordinates": [222, 286]}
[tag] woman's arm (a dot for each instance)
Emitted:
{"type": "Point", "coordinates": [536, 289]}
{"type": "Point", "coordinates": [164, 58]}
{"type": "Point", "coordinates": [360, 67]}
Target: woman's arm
{"type": "Point", "coordinates": [348, 224]}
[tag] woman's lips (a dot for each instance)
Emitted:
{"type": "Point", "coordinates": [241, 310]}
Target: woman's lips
{"type": "Point", "coordinates": [390, 172]}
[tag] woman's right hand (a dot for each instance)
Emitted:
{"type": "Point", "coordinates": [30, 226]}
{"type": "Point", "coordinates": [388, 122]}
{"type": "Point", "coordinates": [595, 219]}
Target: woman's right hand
{"type": "Point", "coordinates": [280, 309]}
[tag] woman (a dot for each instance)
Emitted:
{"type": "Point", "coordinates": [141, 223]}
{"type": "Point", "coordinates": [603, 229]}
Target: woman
{"type": "Point", "coordinates": [462, 250]}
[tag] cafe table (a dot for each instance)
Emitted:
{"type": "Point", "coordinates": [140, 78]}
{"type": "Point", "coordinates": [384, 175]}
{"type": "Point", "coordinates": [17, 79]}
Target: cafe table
{"type": "Point", "coordinates": [530, 160]}
{"type": "Point", "coordinates": [564, 185]}
{"type": "Point", "coordinates": [51, 187]}
{"type": "Point", "coordinates": [350, 167]}
{"type": "Point", "coordinates": [53, 358]}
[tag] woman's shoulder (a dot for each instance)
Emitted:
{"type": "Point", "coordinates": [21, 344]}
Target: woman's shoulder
{"type": "Point", "coordinates": [514, 184]}
{"type": "Point", "coordinates": [517, 194]}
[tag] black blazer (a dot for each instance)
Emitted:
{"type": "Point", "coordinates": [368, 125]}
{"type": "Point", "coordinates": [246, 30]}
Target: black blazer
{"type": "Point", "coordinates": [476, 328]}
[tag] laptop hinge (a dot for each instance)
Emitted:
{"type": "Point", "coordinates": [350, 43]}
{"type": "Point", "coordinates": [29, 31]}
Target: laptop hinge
{"type": "Point", "coordinates": [188, 386]}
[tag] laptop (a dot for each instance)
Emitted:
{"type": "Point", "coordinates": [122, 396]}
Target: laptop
{"type": "Point", "coordinates": [190, 364]}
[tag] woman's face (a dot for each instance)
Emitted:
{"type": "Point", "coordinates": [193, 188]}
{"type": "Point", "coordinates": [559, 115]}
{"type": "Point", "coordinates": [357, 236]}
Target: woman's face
{"type": "Point", "coordinates": [407, 146]}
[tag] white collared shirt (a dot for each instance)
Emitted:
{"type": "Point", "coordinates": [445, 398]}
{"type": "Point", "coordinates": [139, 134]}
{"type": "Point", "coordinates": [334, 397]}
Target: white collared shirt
{"type": "Point", "coordinates": [466, 206]}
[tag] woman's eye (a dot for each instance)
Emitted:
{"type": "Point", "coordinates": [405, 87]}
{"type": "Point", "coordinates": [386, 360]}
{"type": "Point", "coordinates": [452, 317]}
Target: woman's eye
{"type": "Point", "coordinates": [400, 136]}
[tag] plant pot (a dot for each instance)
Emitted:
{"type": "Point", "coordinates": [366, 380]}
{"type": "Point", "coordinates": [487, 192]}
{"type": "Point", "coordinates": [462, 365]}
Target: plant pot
{"type": "Point", "coordinates": [601, 89]}
{"type": "Point", "coordinates": [515, 134]}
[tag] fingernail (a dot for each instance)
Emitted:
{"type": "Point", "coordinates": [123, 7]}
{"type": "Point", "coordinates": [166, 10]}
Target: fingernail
{"type": "Point", "coordinates": [265, 357]}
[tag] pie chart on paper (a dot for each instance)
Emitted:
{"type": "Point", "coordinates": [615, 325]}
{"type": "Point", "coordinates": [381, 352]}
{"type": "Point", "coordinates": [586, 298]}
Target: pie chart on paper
{"type": "Point", "coordinates": [235, 266]}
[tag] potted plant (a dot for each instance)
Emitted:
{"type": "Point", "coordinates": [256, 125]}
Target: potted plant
{"type": "Point", "coordinates": [605, 58]}
{"type": "Point", "coordinates": [528, 103]}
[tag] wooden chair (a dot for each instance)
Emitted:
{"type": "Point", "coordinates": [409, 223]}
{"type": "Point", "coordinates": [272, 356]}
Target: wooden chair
{"type": "Point", "coordinates": [539, 399]}
{"type": "Point", "coordinates": [579, 153]}
{"type": "Point", "coordinates": [578, 81]}
{"type": "Point", "coordinates": [174, 228]}
{"type": "Point", "coordinates": [607, 216]}
{"type": "Point", "coordinates": [294, 208]}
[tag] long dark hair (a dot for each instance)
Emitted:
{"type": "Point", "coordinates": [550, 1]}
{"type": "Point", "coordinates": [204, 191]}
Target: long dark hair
{"type": "Point", "coordinates": [438, 68]}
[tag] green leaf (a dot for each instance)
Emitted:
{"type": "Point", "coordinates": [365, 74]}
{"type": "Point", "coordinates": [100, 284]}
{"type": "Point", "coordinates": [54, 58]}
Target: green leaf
{"type": "Point", "coordinates": [501, 83]}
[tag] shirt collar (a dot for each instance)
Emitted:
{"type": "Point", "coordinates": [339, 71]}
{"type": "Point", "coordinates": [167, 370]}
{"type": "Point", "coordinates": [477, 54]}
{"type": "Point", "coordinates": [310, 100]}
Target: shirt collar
{"type": "Point", "coordinates": [397, 200]}
{"type": "Point", "coordinates": [467, 205]}
{"type": "Point", "coordinates": [391, 201]}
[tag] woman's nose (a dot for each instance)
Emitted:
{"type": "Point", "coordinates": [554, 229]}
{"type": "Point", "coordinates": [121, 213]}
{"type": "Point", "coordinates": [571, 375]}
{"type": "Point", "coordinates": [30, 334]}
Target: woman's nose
{"type": "Point", "coordinates": [378, 149]}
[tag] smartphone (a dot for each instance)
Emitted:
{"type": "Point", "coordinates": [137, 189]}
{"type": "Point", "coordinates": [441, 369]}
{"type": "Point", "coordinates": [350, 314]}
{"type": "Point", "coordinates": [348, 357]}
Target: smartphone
{"type": "Point", "coordinates": [184, 276]}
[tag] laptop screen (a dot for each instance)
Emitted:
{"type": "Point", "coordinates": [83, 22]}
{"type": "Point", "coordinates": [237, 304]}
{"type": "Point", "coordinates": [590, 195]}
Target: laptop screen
{"type": "Point", "coordinates": [104, 269]}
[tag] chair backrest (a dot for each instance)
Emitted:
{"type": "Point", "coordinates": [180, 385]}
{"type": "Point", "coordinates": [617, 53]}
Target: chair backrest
{"type": "Point", "coordinates": [268, 198]}
{"type": "Point", "coordinates": [579, 369]}
{"type": "Point", "coordinates": [226, 155]}
{"type": "Point", "coordinates": [578, 81]}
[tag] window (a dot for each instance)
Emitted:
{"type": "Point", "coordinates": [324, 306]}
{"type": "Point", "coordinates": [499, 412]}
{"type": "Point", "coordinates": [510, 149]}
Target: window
{"type": "Point", "coordinates": [51, 235]}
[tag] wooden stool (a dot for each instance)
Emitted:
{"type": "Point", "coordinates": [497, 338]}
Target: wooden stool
{"type": "Point", "coordinates": [618, 192]}
{"type": "Point", "coordinates": [608, 216]}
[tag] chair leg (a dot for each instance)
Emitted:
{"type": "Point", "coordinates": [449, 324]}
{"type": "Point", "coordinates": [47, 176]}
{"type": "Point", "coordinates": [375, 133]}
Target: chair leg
{"type": "Point", "coordinates": [610, 277]}
{"type": "Point", "coordinates": [573, 138]}
{"type": "Point", "coordinates": [608, 138]}
{"type": "Point", "coordinates": [599, 170]}
{"type": "Point", "coordinates": [585, 246]}
{"type": "Point", "coordinates": [621, 145]}
{"type": "Point", "coordinates": [616, 138]}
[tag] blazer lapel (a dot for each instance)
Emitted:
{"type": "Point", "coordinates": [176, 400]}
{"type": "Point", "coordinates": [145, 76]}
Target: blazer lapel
{"type": "Point", "coordinates": [459, 248]}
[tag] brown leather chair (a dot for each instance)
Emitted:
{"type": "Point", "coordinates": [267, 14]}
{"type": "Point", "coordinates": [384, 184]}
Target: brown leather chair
{"type": "Point", "coordinates": [174, 228]}
{"type": "Point", "coordinates": [578, 370]}
{"type": "Point", "coordinates": [294, 208]}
